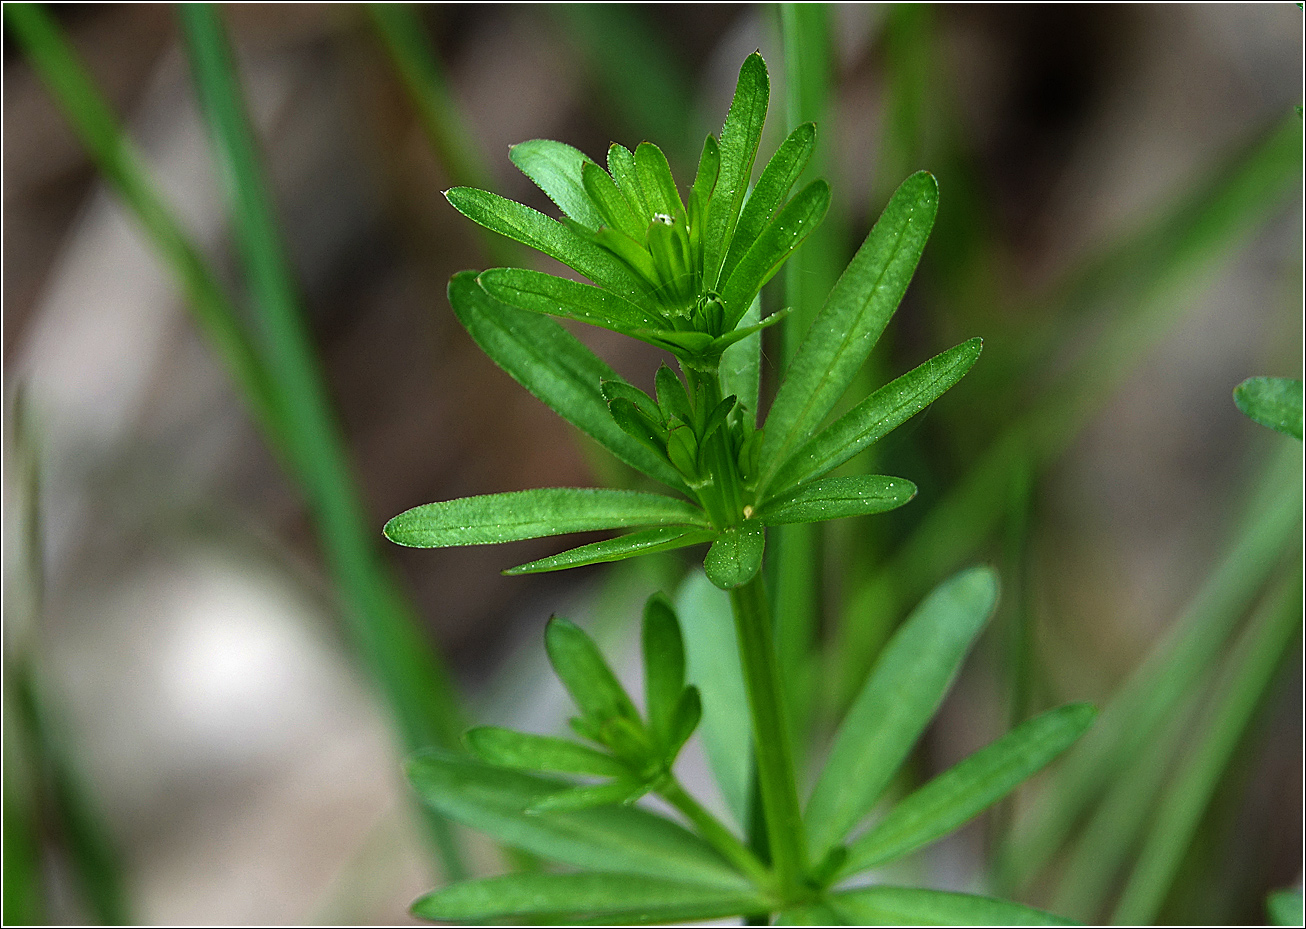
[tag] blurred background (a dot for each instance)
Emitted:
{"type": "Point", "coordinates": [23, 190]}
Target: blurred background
{"type": "Point", "coordinates": [194, 729]}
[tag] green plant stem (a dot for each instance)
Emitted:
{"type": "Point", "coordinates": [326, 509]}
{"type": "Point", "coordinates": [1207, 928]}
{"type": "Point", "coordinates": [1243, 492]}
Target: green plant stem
{"type": "Point", "coordinates": [716, 833]}
{"type": "Point", "coordinates": [771, 745]}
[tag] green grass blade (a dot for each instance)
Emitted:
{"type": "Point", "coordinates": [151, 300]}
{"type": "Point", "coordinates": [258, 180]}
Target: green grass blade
{"type": "Point", "coordinates": [1285, 908]}
{"type": "Point", "coordinates": [837, 498]}
{"type": "Point", "coordinates": [911, 906]}
{"type": "Point", "coordinates": [739, 140]}
{"type": "Point", "coordinates": [612, 898]}
{"type": "Point", "coordinates": [554, 366]}
{"type": "Point", "coordinates": [415, 681]}
{"type": "Point", "coordinates": [99, 130]}
{"type": "Point", "coordinates": [969, 787]}
{"type": "Point", "coordinates": [531, 514]}
{"type": "Point", "coordinates": [1167, 677]}
{"type": "Point", "coordinates": [897, 703]}
{"type": "Point", "coordinates": [23, 890]}
{"type": "Point", "coordinates": [773, 186]}
{"type": "Point", "coordinates": [624, 840]}
{"type": "Point", "coordinates": [1252, 665]}
{"type": "Point", "coordinates": [854, 315]}
{"type": "Point", "coordinates": [1275, 402]}
{"type": "Point", "coordinates": [556, 168]}
{"type": "Point", "coordinates": [556, 296]}
{"type": "Point", "coordinates": [530, 227]}
{"type": "Point", "coordinates": [526, 752]}
{"type": "Point", "coordinates": [790, 228]}
{"type": "Point", "coordinates": [877, 415]}
{"type": "Point", "coordinates": [644, 542]}
{"type": "Point", "coordinates": [583, 670]}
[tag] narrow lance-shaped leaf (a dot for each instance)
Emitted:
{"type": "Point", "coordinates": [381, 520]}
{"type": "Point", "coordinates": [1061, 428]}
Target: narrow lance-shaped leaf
{"type": "Point", "coordinates": [610, 201]}
{"type": "Point", "coordinates": [739, 140]}
{"type": "Point", "coordinates": [837, 498]}
{"type": "Point", "coordinates": [621, 791]}
{"type": "Point", "coordinates": [664, 663]}
{"type": "Point", "coordinates": [531, 514]}
{"type": "Point", "coordinates": [685, 717]}
{"type": "Point", "coordinates": [644, 542]}
{"type": "Point", "coordinates": [603, 897]}
{"type": "Point", "coordinates": [897, 703]}
{"type": "Point", "coordinates": [912, 906]}
{"type": "Point", "coordinates": [657, 182]}
{"type": "Point", "coordinates": [1275, 402]}
{"type": "Point", "coordinates": [557, 296]}
{"type": "Point", "coordinates": [555, 167]}
{"type": "Point", "coordinates": [529, 752]}
{"type": "Point", "coordinates": [848, 326]}
{"type": "Point", "coordinates": [778, 177]}
{"type": "Point", "coordinates": [786, 232]}
{"type": "Point", "coordinates": [621, 165]}
{"type": "Point", "coordinates": [554, 366]}
{"type": "Point", "coordinates": [614, 838]}
{"type": "Point", "coordinates": [969, 787]}
{"type": "Point", "coordinates": [877, 415]}
{"type": "Point", "coordinates": [529, 227]}
{"type": "Point", "coordinates": [581, 668]}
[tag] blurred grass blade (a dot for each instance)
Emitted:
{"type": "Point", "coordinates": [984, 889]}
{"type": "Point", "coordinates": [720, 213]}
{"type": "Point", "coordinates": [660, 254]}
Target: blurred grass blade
{"type": "Point", "coordinates": [644, 542]}
{"type": "Point", "coordinates": [530, 514]}
{"type": "Point", "coordinates": [611, 899]}
{"type": "Point", "coordinates": [712, 665]}
{"type": "Point", "coordinates": [1286, 908]}
{"type": "Point", "coordinates": [23, 883]}
{"type": "Point", "coordinates": [619, 839]}
{"type": "Point", "coordinates": [554, 366]}
{"type": "Point", "coordinates": [897, 703]}
{"type": "Point", "coordinates": [968, 788]}
{"type": "Point", "coordinates": [1275, 402]}
{"type": "Point", "coordinates": [99, 130]}
{"type": "Point", "coordinates": [836, 498]}
{"type": "Point", "coordinates": [1169, 674]}
{"type": "Point", "coordinates": [911, 906]}
{"type": "Point", "coordinates": [384, 627]}
{"type": "Point", "coordinates": [1252, 665]}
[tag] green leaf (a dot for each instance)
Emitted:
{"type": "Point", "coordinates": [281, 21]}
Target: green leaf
{"type": "Point", "coordinates": [836, 498]}
{"type": "Point", "coordinates": [613, 898]}
{"type": "Point", "coordinates": [644, 542]}
{"type": "Point", "coordinates": [850, 323]}
{"type": "Point", "coordinates": [911, 906]}
{"type": "Point", "coordinates": [813, 914]}
{"type": "Point", "coordinates": [709, 169]}
{"type": "Point", "coordinates": [969, 787]}
{"type": "Point", "coordinates": [620, 839]}
{"type": "Point", "coordinates": [555, 167]}
{"type": "Point", "coordinates": [779, 175]}
{"type": "Point", "coordinates": [712, 665]}
{"type": "Point", "coordinates": [739, 140]}
{"type": "Point", "coordinates": [613, 793]}
{"type": "Point", "coordinates": [557, 296]}
{"type": "Point", "coordinates": [621, 165]}
{"type": "Point", "coordinates": [656, 181]}
{"type": "Point", "coordinates": [672, 398]}
{"type": "Point", "coordinates": [587, 677]}
{"type": "Point", "coordinates": [877, 415]}
{"type": "Point", "coordinates": [664, 664]}
{"type": "Point", "coordinates": [527, 752]}
{"type": "Point", "coordinates": [735, 556]}
{"type": "Point", "coordinates": [530, 514]}
{"type": "Point", "coordinates": [686, 716]}
{"type": "Point", "coordinates": [1272, 401]}
{"type": "Point", "coordinates": [786, 232]}
{"type": "Point", "coordinates": [529, 227]}
{"type": "Point", "coordinates": [554, 366]}
{"type": "Point", "coordinates": [611, 202]}
{"type": "Point", "coordinates": [897, 703]}
{"type": "Point", "coordinates": [1285, 907]}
